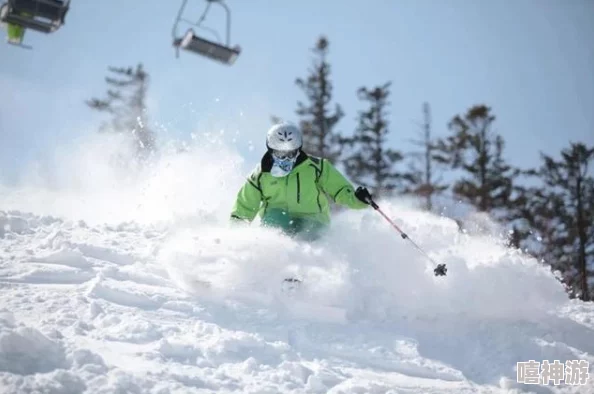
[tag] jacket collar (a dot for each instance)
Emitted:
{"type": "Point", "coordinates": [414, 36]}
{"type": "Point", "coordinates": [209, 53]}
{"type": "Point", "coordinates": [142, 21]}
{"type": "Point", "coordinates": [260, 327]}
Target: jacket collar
{"type": "Point", "coordinates": [266, 162]}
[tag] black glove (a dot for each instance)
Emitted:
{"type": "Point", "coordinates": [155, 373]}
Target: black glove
{"type": "Point", "coordinates": [363, 194]}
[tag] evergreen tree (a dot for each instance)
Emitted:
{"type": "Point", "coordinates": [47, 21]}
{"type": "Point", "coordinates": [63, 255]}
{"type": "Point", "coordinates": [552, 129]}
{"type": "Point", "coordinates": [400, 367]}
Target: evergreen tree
{"type": "Point", "coordinates": [563, 215]}
{"type": "Point", "coordinates": [125, 102]}
{"type": "Point", "coordinates": [475, 149]}
{"type": "Point", "coordinates": [372, 163]}
{"type": "Point", "coordinates": [522, 216]}
{"type": "Point", "coordinates": [317, 120]}
{"type": "Point", "coordinates": [421, 177]}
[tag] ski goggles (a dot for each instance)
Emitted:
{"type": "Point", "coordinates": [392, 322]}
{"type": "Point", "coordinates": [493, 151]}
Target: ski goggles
{"type": "Point", "coordinates": [285, 154]}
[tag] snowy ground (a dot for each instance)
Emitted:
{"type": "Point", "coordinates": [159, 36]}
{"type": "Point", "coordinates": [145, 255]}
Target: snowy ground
{"type": "Point", "coordinates": [147, 289]}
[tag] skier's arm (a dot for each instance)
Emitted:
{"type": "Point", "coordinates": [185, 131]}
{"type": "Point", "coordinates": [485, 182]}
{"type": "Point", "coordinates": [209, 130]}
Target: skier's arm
{"type": "Point", "coordinates": [248, 201]}
{"type": "Point", "coordinates": [338, 187]}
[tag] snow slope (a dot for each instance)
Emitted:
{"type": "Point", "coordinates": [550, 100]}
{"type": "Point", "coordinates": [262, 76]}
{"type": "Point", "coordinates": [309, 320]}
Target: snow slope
{"type": "Point", "coordinates": [119, 284]}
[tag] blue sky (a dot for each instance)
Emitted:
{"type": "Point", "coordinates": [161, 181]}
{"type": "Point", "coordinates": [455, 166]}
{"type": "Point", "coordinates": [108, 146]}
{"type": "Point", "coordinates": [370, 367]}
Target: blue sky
{"type": "Point", "coordinates": [531, 61]}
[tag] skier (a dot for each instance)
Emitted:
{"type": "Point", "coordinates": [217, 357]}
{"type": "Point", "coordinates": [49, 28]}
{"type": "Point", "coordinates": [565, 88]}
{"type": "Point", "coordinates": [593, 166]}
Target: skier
{"type": "Point", "coordinates": [289, 189]}
{"type": "Point", "coordinates": [15, 34]}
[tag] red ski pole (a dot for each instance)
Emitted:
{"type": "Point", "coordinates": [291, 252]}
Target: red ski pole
{"type": "Point", "coordinates": [439, 270]}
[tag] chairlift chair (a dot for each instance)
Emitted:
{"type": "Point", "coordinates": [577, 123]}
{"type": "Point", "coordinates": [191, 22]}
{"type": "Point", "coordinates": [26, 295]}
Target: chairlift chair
{"type": "Point", "coordinates": [190, 41]}
{"type": "Point", "coordinates": [45, 16]}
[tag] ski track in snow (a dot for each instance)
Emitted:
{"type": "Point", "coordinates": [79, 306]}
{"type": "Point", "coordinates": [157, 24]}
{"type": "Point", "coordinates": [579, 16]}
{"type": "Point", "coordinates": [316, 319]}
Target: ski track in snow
{"type": "Point", "coordinates": [103, 309]}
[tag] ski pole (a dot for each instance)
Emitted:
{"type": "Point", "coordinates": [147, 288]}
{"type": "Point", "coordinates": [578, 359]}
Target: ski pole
{"type": "Point", "coordinates": [439, 270]}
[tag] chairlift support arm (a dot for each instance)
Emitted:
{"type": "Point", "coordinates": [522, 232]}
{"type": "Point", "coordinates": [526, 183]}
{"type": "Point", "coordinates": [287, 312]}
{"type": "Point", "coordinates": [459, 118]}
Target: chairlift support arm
{"type": "Point", "coordinates": [197, 24]}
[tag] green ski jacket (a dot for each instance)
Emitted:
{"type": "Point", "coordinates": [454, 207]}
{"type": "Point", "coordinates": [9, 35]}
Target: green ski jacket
{"type": "Point", "coordinates": [302, 194]}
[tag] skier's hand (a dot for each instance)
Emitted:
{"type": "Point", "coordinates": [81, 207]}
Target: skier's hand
{"type": "Point", "coordinates": [363, 194]}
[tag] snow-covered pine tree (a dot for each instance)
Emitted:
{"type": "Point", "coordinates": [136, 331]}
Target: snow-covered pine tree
{"type": "Point", "coordinates": [317, 120]}
{"type": "Point", "coordinates": [371, 162]}
{"type": "Point", "coordinates": [563, 216]}
{"type": "Point", "coordinates": [126, 103]}
{"type": "Point", "coordinates": [477, 151]}
{"type": "Point", "coordinates": [421, 178]}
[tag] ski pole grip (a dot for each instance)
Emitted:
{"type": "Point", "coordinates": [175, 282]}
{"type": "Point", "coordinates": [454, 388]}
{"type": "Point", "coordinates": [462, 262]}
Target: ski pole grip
{"type": "Point", "coordinates": [372, 203]}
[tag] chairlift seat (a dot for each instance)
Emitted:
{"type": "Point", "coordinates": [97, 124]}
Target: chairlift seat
{"type": "Point", "coordinates": [45, 16]}
{"type": "Point", "coordinates": [213, 50]}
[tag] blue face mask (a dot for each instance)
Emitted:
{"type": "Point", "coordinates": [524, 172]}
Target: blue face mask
{"type": "Point", "coordinates": [282, 166]}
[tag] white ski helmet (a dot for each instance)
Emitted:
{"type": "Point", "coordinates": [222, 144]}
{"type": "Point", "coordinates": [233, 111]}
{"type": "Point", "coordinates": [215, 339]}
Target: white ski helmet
{"type": "Point", "coordinates": [284, 137]}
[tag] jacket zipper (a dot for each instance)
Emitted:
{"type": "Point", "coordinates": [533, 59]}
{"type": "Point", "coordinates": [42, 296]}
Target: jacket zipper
{"type": "Point", "coordinates": [287, 188]}
{"type": "Point", "coordinates": [298, 189]}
